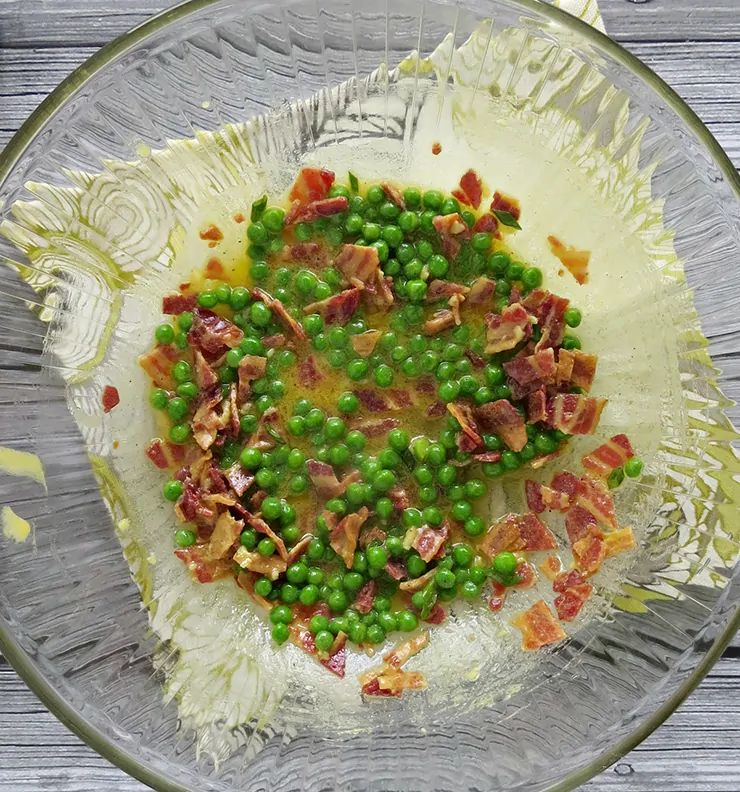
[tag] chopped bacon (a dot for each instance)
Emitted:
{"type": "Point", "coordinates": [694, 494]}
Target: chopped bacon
{"type": "Point", "coordinates": [437, 614]}
{"type": "Point", "coordinates": [537, 406]}
{"type": "Point", "coordinates": [619, 541]}
{"type": "Point", "coordinates": [594, 496]}
{"type": "Point", "coordinates": [174, 304]}
{"type": "Point", "coordinates": [212, 334]}
{"type": "Point", "coordinates": [442, 289]}
{"type": "Point", "coordinates": [584, 369]}
{"type": "Point", "coordinates": [574, 414]}
{"type": "Point", "coordinates": [452, 230]}
{"type": "Point", "coordinates": [566, 359]}
{"type": "Point", "coordinates": [392, 683]}
{"type": "Point", "coordinates": [551, 567]}
{"type": "Point", "coordinates": [612, 454]}
{"type": "Point", "coordinates": [580, 523]}
{"type": "Point", "coordinates": [505, 203]}
{"type": "Point", "coordinates": [394, 195]}
{"type": "Point", "coordinates": [399, 498]}
{"type": "Point", "coordinates": [251, 367]}
{"type": "Point", "coordinates": [589, 554]}
{"type": "Point", "coordinates": [311, 184]}
{"type": "Point", "coordinates": [396, 569]}
{"type": "Point", "coordinates": [268, 434]}
{"type": "Point", "coordinates": [234, 410]}
{"type": "Point", "coordinates": [158, 365]}
{"type": "Point", "coordinates": [365, 597]}
{"type": "Point", "coordinates": [358, 263]}
{"type": "Point", "coordinates": [541, 497]}
{"type": "Point", "coordinates": [164, 453]}
{"type": "Point", "coordinates": [110, 398]}
{"type": "Point", "coordinates": [535, 501]}
{"type": "Point", "coordinates": [337, 309]}
{"type": "Point", "coordinates": [569, 603]}
{"type": "Point", "coordinates": [371, 400]}
{"type": "Point", "coordinates": [436, 148]}
{"type": "Point", "coordinates": [245, 580]}
{"type": "Point", "coordinates": [565, 580]}
{"type": "Point", "coordinates": [337, 656]}
{"type": "Point", "coordinates": [238, 479]}
{"type": "Point", "coordinates": [263, 527]}
{"type": "Point", "coordinates": [270, 566]}
{"type": "Point", "coordinates": [364, 343]}
{"type": "Point", "coordinates": [471, 189]}
{"type": "Point", "coordinates": [464, 416]}
{"type": "Point", "coordinates": [400, 399]}
{"type": "Point", "coordinates": [206, 421]}
{"type": "Point", "coordinates": [538, 626]}
{"type": "Point", "coordinates": [488, 456]}
{"type": "Point", "coordinates": [499, 597]}
{"type": "Point", "coordinates": [436, 410]}
{"type": "Point", "coordinates": [575, 261]}
{"type": "Point", "coordinates": [212, 233]}
{"type": "Point", "coordinates": [565, 482]}
{"type": "Point", "coordinates": [379, 292]}
{"type": "Point", "coordinates": [225, 533]}
{"type": "Point", "coordinates": [481, 291]}
{"type": "Point", "coordinates": [439, 321]}
{"type": "Point", "coordinates": [282, 312]}
{"type": "Point", "coordinates": [375, 534]}
{"type": "Point", "coordinates": [307, 253]}
{"type": "Point", "coordinates": [274, 341]}
{"type": "Point", "coordinates": [325, 480]}
{"type": "Point", "coordinates": [514, 533]}
{"type": "Point", "coordinates": [256, 499]}
{"type": "Point", "coordinates": [309, 213]}
{"type": "Point", "coordinates": [507, 329]}
{"type": "Point", "coordinates": [205, 376]}
{"type": "Point", "coordinates": [475, 359]}
{"type": "Point", "coordinates": [455, 302]}
{"type": "Point", "coordinates": [549, 310]}
{"type": "Point", "coordinates": [372, 688]}
{"type": "Point", "coordinates": [530, 373]}
{"type": "Point", "coordinates": [155, 452]}
{"type": "Point", "coordinates": [486, 223]}
{"type": "Point", "coordinates": [415, 584]}
{"type": "Point", "coordinates": [308, 374]}
{"type": "Point", "coordinates": [197, 560]}
{"type": "Point", "coordinates": [502, 418]}
{"type": "Point", "coordinates": [428, 541]}
{"type": "Point", "coordinates": [401, 653]}
{"type": "Point", "coordinates": [344, 537]}
{"type": "Point", "coordinates": [298, 549]}
{"type": "Point", "coordinates": [376, 428]}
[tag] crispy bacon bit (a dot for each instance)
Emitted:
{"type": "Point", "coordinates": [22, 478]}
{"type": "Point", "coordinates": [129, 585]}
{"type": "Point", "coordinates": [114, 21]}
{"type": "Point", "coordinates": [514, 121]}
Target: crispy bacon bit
{"type": "Point", "coordinates": [499, 597]}
{"type": "Point", "coordinates": [110, 398]}
{"type": "Point", "coordinates": [200, 565]}
{"type": "Point", "coordinates": [325, 480]}
{"type": "Point", "coordinates": [612, 454]}
{"type": "Point", "coordinates": [364, 343]}
{"type": "Point", "coordinates": [584, 369]}
{"type": "Point", "coordinates": [371, 400]}
{"type": "Point", "coordinates": [488, 456]}
{"type": "Point", "coordinates": [403, 652]}
{"type": "Point", "coordinates": [481, 291]}
{"type": "Point", "coordinates": [375, 534]}
{"type": "Point", "coordinates": [455, 302]}
{"type": "Point", "coordinates": [298, 549]}
{"type": "Point", "coordinates": [337, 309]}
{"type": "Point", "coordinates": [308, 374]}
{"type": "Point", "coordinates": [396, 569]}
{"type": "Point", "coordinates": [544, 459]}
{"type": "Point", "coordinates": [437, 615]}
{"type": "Point", "coordinates": [507, 329]}
{"type": "Point", "coordinates": [337, 659]}
{"type": "Point", "coordinates": [274, 341]}
{"type": "Point", "coordinates": [251, 367]}
{"type": "Point", "coordinates": [268, 433]}
{"type": "Point", "coordinates": [589, 554]}
{"type": "Point", "coordinates": [418, 583]}
{"type": "Point", "coordinates": [344, 537]}
{"type": "Point", "coordinates": [464, 416]}
{"type": "Point", "coordinates": [306, 253]}
{"type": "Point", "coordinates": [377, 428]}
{"type": "Point", "coordinates": [212, 334]}
{"type": "Point", "coordinates": [262, 527]}
{"type": "Point", "coordinates": [365, 597]}
{"type": "Point", "coordinates": [575, 261]}
{"type": "Point", "coordinates": [442, 290]}
{"type": "Point", "coordinates": [475, 359]}
{"type": "Point", "coordinates": [309, 213]}
{"type": "Point", "coordinates": [565, 482]}
{"type": "Point", "coordinates": [569, 603]}
{"type": "Point", "coordinates": [538, 626]}
{"type": "Point", "coordinates": [514, 533]}
{"type": "Point", "coordinates": [281, 311]}
{"type": "Point", "coordinates": [503, 419]}
{"type": "Point", "coordinates": [155, 452]}
{"type": "Point", "coordinates": [471, 189]}
{"type": "Point", "coordinates": [452, 231]}
{"type": "Point", "coordinates": [541, 497]}
{"type": "Point", "coordinates": [205, 376]}
{"type": "Point", "coordinates": [380, 293]}
{"type": "Point", "coordinates": [594, 496]}
{"type": "Point", "coordinates": [439, 321]}
{"type": "Point", "coordinates": [486, 223]}
{"type": "Point", "coordinates": [580, 524]}
{"type": "Point", "coordinates": [505, 203]}
{"type": "Point", "coordinates": [537, 406]}
{"type": "Point", "coordinates": [566, 359]}
{"type": "Point", "coordinates": [311, 184]}
{"type": "Point", "coordinates": [565, 580]}
{"type": "Point", "coordinates": [619, 541]}
{"type": "Point", "coordinates": [393, 683]}
{"type": "Point", "coordinates": [212, 233]}
{"type": "Point", "coordinates": [245, 580]}
{"type": "Point", "coordinates": [530, 373]}
{"type": "Point", "coordinates": [206, 421]}
{"type": "Point", "coordinates": [428, 541]}
{"type": "Point", "coordinates": [436, 410]}
{"type": "Point", "coordinates": [551, 567]}
{"type": "Point", "coordinates": [436, 148]}
{"type": "Point", "coordinates": [549, 310]}
{"type": "Point", "coordinates": [225, 533]}
{"type": "Point", "coordinates": [270, 566]}
{"type": "Point", "coordinates": [358, 263]}
{"type": "Point", "coordinates": [174, 304]}
{"type": "Point", "coordinates": [239, 217]}
{"type": "Point", "coordinates": [394, 195]}
{"type": "Point", "coordinates": [238, 479]}
{"type": "Point", "coordinates": [574, 414]}
{"type": "Point", "coordinates": [158, 365]}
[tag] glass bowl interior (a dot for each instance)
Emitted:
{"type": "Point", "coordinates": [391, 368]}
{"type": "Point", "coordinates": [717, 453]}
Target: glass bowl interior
{"type": "Point", "coordinates": [206, 105]}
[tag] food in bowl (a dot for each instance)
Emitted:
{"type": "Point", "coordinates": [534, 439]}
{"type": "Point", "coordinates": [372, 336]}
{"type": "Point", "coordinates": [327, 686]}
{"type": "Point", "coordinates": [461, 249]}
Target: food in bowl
{"type": "Point", "coordinates": [332, 423]}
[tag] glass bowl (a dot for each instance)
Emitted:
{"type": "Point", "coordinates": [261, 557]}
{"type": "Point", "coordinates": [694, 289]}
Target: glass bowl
{"type": "Point", "coordinates": [97, 193]}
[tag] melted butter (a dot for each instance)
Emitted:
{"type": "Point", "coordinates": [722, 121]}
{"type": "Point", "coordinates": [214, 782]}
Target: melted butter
{"type": "Point", "coordinates": [14, 527]}
{"type": "Point", "coordinates": [22, 463]}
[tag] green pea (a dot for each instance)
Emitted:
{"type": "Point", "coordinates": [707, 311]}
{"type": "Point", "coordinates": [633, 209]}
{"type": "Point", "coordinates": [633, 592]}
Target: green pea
{"type": "Point", "coordinates": [468, 217]}
{"type": "Point", "coordinates": [532, 279]}
{"type": "Point", "coordinates": [180, 433]}
{"type": "Point", "coordinates": [433, 199]}
{"type": "Point", "coordinates": [289, 593]}
{"type": "Point", "coordinates": [474, 526]}
{"type": "Point", "coordinates": [633, 467]}
{"type": "Point", "coordinates": [260, 315]}
{"type": "Point", "coordinates": [337, 358]}
{"type": "Point", "coordinates": [505, 564]}
{"type": "Point", "coordinates": [393, 235]}
{"type": "Point", "coordinates": [159, 399]}
{"type": "Point", "coordinates": [481, 242]}
{"type": "Point", "coordinates": [259, 270]}
{"type": "Point", "coordinates": [357, 369]}
{"type": "Point", "coordinates": [315, 419]}
{"type": "Point", "coordinates": [164, 334]}
{"type": "Point", "coordinates": [181, 371]}
{"type": "Point", "coordinates": [498, 262]}
{"type": "Point", "coordinates": [445, 579]}
{"type": "Point", "coordinates": [303, 232]}
{"type": "Point", "coordinates": [572, 317]}
{"type": "Point", "coordinates": [571, 342]}
{"type": "Point", "coordinates": [426, 221]}
{"type": "Point", "coordinates": [389, 211]}
{"type": "Point", "coordinates": [449, 390]}
{"type": "Point", "coordinates": [510, 460]}
{"type": "Point", "coordinates": [207, 299]}
{"type": "Point", "coordinates": [412, 197]}
{"type": "Point", "coordinates": [544, 443]}
{"type": "Point", "coordinates": [462, 510]}
{"type": "Point", "coordinates": [265, 478]}
{"type": "Point", "coordinates": [185, 321]}
{"type": "Point", "coordinates": [383, 376]}
{"type": "Point", "coordinates": [463, 554]}
{"type": "Point", "coordinates": [416, 290]}
{"type": "Point", "coordinates": [375, 195]}
{"type": "Point", "coordinates": [338, 601]}
{"type": "Point", "coordinates": [474, 489]}
{"type": "Point", "coordinates": [408, 222]}
{"type": "Point", "coordinates": [371, 232]}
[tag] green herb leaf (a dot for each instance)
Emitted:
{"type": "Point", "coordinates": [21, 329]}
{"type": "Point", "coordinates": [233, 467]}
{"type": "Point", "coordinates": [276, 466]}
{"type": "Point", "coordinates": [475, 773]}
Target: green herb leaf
{"type": "Point", "coordinates": [504, 580]}
{"type": "Point", "coordinates": [353, 183]}
{"type": "Point", "coordinates": [430, 600]}
{"type": "Point", "coordinates": [616, 477]}
{"type": "Point", "coordinates": [258, 207]}
{"type": "Point", "coordinates": [507, 219]}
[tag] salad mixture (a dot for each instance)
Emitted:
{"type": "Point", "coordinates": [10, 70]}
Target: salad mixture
{"type": "Point", "coordinates": [334, 429]}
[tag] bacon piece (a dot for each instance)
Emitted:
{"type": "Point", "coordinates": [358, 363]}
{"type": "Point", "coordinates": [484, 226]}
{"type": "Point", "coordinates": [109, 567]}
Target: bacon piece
{"type": "Point", "coordinates": [365, 597]}
{"type": "Point", "coordinates": [403, 652]}
{"type": "Point", "coordinates": [155, 452]}
{"type": "Point", "coordinates": [234, 410]}
{"type": "Point", "coordinates": [619, 541]}
{"type": "Point", "coordinates": [589, 554]}
{"type": "Point", "coordinates": [436, 410]}
{"type": "Point", "coordinates": [375, 534]}
{"type": "Point", "coordinates": [541, 497]}
{"type": "Point", "coordinates": [380, 292]}
{"type": "Point", "coordinates": [580, 523]}
{"type": "Point", "coordinates": [551, 567]}
{"type": "Point", "coordinates": [110, 398]}
{"type": "Point", "coordinates": [575, 261]}
{"type": "Point", "coordinates": [268, 433]}
{"type": "Point", "coordinates": [165, 454]}
{"type": "Point", "coordinates": [174, 304]}
{"type": "Point", "coordinates": [298, 549]}
{"type": "Point", "coordinates": [238, 479]}
{"type": "Point", "coordinates": [535, 501]}
{"type": "Point", "coordinates": [212, 334]}
{"type": "Point", "coordinates": [396, 569]}
{"type": "Point", "coordinates": [565, 580]}
{"type": "Point", "coordinates": [358, 263]}
{"type": "Point", "coordinates": [309, 213]}
{"type": "Point", "coordinates": [594, 496]}
{"type": "Point", "coordinates": [311, 184]}
{"type": "Point", "coordinates": [481, 291]}
{"type": "Point", "coordinates": [400, 399]}
{"type": "Point", "coordinates": [437, 614]}
{"type": "Point", "coordinates": [575, 414]}
{"type": "Point", "coordinates": [364, 343]}
{"type": "Point", "coordinates": [393, 683]}
{"type": "Point", "coordinates": [507, 329]}
{"type": "Point", "coordinates": [372, 688]}
{"type": "Point", "coordinates": [428, 541]}
{"type": "Point", "coordinates": [549, 310]}
{"type": "Point", "coordinates": [530, 373]}
{"type": "Point", "coordinates": [376, 428]}
{"type": "Point", "coordinates": [158, 365]}
{"type": "Point", "coordinates": [325, 480]}
{"type": "Point", "coordinates": [394, 195]}
{"type": "Point", "coordinates": [274, 341]}
{"type": "Point", "coordinates": [464, 416]}
{"type": "Point", "coordinates": [499, 597]}
{"type": "Point", "coordinates": [442, 289]}
{"type": "Point", "coordinates": [612, 454]}
{"type": "Point", "coordinates": [245, 580]}
{"type": "Point", "coordinates": [566, 359]}
{"type": "Point", "coordinates": [515, 533]}
{"type": "Point", "coordinates": [225, 533]}
{"type": "Point", "coordinates": [281, 311]}
{"type": "Point", "coordinates": [471, 189]}
{"type": "Point", "coordinates": [263, 527]}
{"type": "Point", "coordinates": [344, 537]}
{"type": "Point", "coordinates": [505, 203]}
{"type": "Point", "coordinates": [569, 603]}
{"type": "Point", "coordinates": [270, 566]}
{"type": "Point", "coordinates": [337, 309]}
{"type": "Point", "coordinates": [205, 376]}
{"type": "Point", "coordinates": [307, 253]}
{"type": "Point", "coordinates": [584, 369]}
{"type": "Point", "coordinates": [337, 658]}
{"type": "Point", "coordinates": [439, 321]}
{"type": "Point", "coordinates": [452, 231]}
{"type": "Point", "coordinates": [309, 374]}
{"type": "Point", "coordinates": [537, 406]}
{"type": "Point", "coordinates": [203, 569]}
{"type": "Point", "coordinates": [212, 233]}
{"type": "Point", "coordinates": [565, 482]}
{"type": "Point", "coordinates": [488, 456]}
{"type": "Point", "coordinates": [206, 421]}
{"type": "Point", "coordinates": [415, 584]}
{"type": "Point", "coordinates": [503, 419]}
{"type": "Point", "coordinates": [251, 367]}
{"type": "Point", "coordinates": [371, 400]}
{"type": "Point", "coordinates": [538, 626]}
{"type": "Point", "coordinates": [486, 223]}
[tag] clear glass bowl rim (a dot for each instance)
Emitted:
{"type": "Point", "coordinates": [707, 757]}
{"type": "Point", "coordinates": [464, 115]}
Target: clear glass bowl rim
{"type": "Point", "coordinates": [13, 152]}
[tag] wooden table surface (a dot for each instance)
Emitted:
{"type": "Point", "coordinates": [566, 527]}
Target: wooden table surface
{"type": "Point", "coordinates": [695, 46]}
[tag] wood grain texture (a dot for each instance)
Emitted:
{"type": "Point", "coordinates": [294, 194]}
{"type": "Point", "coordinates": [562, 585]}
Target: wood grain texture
{"type": "Point", "coordinates": [695, 46]}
